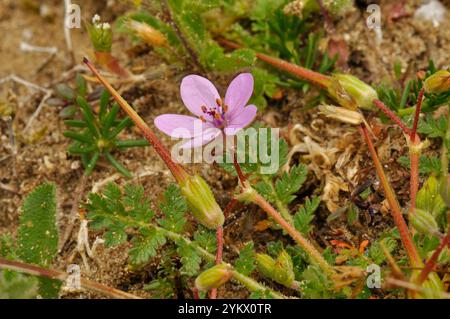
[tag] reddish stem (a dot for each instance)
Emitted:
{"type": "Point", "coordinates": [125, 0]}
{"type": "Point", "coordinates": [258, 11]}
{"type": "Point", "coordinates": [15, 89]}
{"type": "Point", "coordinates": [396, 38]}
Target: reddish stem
{"type": "Point", "coordinates": [178, 171]}
{"type": "Point", "coordinates": [304, 243]}
{"type": "Point", "coordinates": [219, 245]}
{"type": "Point", "coordinates": [316, 78]}
{"type": "Point", "coordinates": [431, 263]}
{"type": "Point", "coordinates": [219, 235]}
{"type": "Point", "coordinates": [62, 276]}
{"type": "Point", "coordinates": [405, 236]}
{"type": "Point", "coordinates": [392, 116]}
{"type": "Point", "coordinates": [239, 172]}
{"type": "Point", "coordinates": [414, 139]}
{"type": "Point", "coordinates": [414, 159]}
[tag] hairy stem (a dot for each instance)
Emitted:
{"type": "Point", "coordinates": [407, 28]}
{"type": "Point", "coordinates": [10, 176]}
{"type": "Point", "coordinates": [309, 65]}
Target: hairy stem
{"type": "Point", "coordinates": [250, 194]}
{"type": "Point", "coordinates": [431, 263]}
{"type": "Point", "coordinates": [178, 171]}
{"type": "Point", "coordinates": [392, 116]}
{"type": "Point", "coordinates": [413, 143]}
{"type": "Point", "coordinates": [219, 252]}
{"type": "Point", "coordinates": [248, 282]}
{"type": "Point", "coordinates": [315, 78]}
{"type": "Point", "coordinates": [405, 235]}
{"type": "Point", "coordinates": [62, 276]}
{"type": "Point", "coordinates": [313, 253]}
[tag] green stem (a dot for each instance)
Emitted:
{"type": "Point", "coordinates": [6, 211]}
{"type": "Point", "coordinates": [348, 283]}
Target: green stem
{"type": "Point", "coordinates": [248, 282]}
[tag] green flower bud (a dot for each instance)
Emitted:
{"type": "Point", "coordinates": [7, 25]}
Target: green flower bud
{"type": "Point", "coordinates": [424, 222]}
{"type": "Point", "coordinates": [284, 270]}
{"type": "Point", "coordinates": [280, 270]}
{"type": "Point", "coordinates": [213, 277]}
{"type": "Point", "coordinates": [444, 189]}
{"type": "Point", "coordinates": [352, 93]}
{"type": "Point", "coordinates": [439, 82]}
{"type": "Point", "coordinates": [202, 202]}
{"type": "Point", "coordinates": [266, 265]}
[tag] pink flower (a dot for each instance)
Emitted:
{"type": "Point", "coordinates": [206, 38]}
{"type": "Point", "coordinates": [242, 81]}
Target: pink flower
{"type": "Point", "coordinates": [213, 116]}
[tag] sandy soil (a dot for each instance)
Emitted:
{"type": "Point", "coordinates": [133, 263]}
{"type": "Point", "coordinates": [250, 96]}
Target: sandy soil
{"type": "Point", "coordinates": [41, 151]}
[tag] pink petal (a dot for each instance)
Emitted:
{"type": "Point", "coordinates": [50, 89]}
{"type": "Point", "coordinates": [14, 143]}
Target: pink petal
{"type": "Point", "coordinates": [241, 120]}
{"type": "Point", "coordinates": [208, 135]}
{"type": "Point", "coordinates": [238, 93]}
{"type": "Point", "coordinates": [197, 91]}
{"type": "Point", "coordinates": [180, 126]}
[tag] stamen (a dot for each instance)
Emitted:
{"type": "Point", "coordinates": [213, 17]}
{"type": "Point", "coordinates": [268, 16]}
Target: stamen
{"type": "Point", "coordinates": [204, 109]}
{"type": "Point", "coordinates": [217, 116]}
{"type": "Point", "coordinates": [202, 119]}
{"type": "Point", "coordinates": [225, 108]}
{"type": "Point", "coordinates": [219, 102]}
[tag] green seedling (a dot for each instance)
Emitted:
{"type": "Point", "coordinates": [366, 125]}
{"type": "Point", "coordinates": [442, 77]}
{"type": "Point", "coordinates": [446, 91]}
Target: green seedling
{"type": "Point", "coordinates": [96, 135]}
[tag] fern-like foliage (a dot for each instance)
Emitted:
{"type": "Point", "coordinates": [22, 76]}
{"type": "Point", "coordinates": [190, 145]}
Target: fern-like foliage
{"type": "Point", "coordinates": [305, 215]}
{"type": "Point", "coordinates": [245, 264]}
{"type": "Point", "coordinates": [37, 243]}
{"type": "Point", "coordinates": [126, 216]}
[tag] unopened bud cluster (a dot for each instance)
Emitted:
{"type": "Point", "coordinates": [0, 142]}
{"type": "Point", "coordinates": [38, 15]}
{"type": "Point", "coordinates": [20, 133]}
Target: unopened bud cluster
{"type": "Point", "coordinates": [100, 34]}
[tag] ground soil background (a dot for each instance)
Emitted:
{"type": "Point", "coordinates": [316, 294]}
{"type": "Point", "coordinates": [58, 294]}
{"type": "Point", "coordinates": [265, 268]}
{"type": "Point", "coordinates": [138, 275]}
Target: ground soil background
{"type": "Point", "coordinates": [41, 151]}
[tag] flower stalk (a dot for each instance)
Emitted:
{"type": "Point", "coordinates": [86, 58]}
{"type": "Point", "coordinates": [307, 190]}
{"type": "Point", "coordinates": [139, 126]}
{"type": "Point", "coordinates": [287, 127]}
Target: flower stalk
{"type": "Point", "coordinates": [177, 170]}
{"type": "Point", "coordinates": [197, 192]}
{"type": "Point", "coordinates": [251, 284]}
{"type": "Point", "coordinates": [405, 235]}
{"type": "Point", "coordinates": [316, 78]}
{"type": "Point", "coordinates": [431, 263]}
{"type": "Point", "coordinates": [414, 145]}
{"type": "Point", "coordinates": [305, 244]}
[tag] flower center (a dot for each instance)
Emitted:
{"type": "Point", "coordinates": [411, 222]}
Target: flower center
{"type": "Point", "coordinates": [215, 114]}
